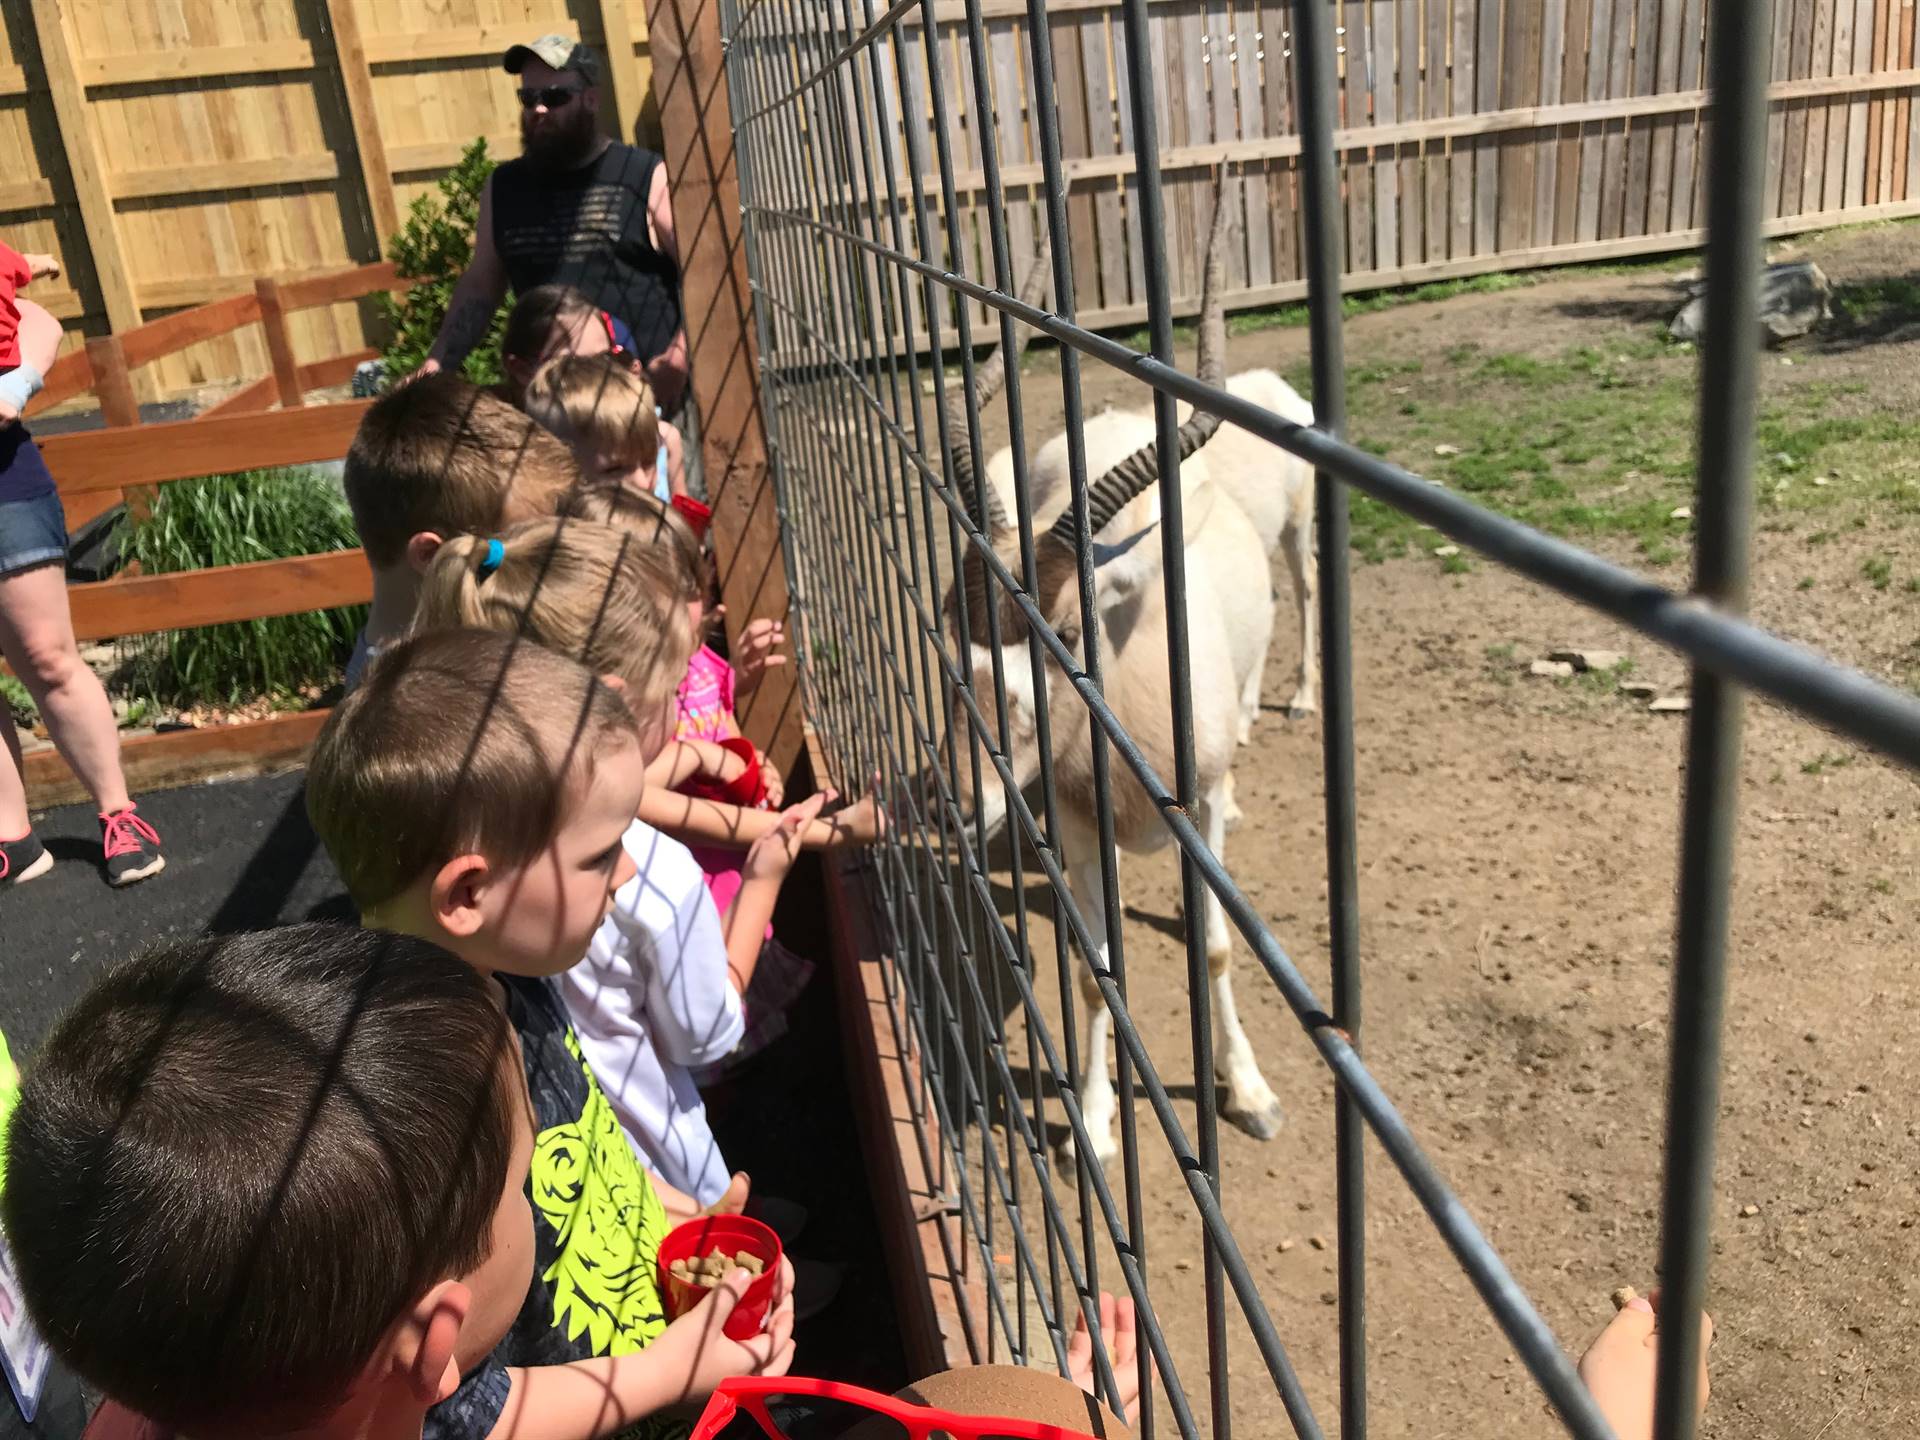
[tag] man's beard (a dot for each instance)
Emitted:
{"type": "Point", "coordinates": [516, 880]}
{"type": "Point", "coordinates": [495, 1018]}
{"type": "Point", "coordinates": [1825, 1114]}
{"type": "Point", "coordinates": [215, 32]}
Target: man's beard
{"type": "Point", "coordinates": [565, 142]}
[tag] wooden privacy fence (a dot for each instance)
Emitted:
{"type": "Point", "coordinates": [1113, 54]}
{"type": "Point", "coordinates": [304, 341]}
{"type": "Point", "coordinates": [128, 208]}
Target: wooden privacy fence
{"type": "Point", "coordinates": [1475, 135]}
{"type": "Point", "coordinates": [96, 469]}
{"type": "Point", "coordinates": [168, 151]}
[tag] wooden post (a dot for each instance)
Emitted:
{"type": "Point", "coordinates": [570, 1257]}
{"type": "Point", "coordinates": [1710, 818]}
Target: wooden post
{"type": "Point", "coordinates": [357, 75]}
{"type": "Point", "coordinates": [113, 387]}
{"type": "Point", "coordinates": [273, 320]}
{"type": "Point", "coordinates": [691, 88]}
{"type": "Point", "coordinates": [623, 67]}
{"type": "Point", "coordinates": [83, 159]}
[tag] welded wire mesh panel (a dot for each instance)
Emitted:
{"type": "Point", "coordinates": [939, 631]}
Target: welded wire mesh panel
{"type": "Point", "coordinates": [1042, 623]}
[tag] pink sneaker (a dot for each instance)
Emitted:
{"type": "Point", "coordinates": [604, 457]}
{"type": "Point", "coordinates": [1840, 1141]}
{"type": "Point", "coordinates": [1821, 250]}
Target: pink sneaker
{"type": "Point", "coordinates": [131, 846]}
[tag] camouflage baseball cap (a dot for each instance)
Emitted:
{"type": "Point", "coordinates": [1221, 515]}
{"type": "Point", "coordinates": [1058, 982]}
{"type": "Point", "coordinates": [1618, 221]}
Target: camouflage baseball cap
{"type": "Point", "coordinates": [559, 52]}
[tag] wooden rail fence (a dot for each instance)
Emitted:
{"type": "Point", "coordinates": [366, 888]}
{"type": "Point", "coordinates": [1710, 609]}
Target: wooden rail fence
{"type": "Point", "coordinates": [267, 423]}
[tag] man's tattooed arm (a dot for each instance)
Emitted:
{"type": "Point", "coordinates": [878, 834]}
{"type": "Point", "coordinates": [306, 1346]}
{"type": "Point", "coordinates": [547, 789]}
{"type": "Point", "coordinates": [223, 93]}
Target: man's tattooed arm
{"type": "Point", "coordinates": [465, 327]}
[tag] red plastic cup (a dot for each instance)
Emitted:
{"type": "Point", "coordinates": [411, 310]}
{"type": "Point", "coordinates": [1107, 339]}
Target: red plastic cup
{"type": "Point", "coordinates": [731, 1233]}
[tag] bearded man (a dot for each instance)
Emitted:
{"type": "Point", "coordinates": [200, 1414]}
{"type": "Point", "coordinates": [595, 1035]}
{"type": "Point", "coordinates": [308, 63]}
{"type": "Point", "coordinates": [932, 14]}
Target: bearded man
{"type": "Point", "coordinates": [576, 209]}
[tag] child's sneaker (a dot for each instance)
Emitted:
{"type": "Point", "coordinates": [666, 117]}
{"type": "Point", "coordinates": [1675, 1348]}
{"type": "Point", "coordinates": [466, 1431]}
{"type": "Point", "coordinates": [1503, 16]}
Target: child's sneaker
{"type": "Point", "coordinates": [131, 846]}
{"type": "Point", "coordinates": [23, 860]}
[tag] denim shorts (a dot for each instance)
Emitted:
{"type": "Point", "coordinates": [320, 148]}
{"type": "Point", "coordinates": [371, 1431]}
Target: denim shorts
{"type": "Point", "coordinates": [32, 532]}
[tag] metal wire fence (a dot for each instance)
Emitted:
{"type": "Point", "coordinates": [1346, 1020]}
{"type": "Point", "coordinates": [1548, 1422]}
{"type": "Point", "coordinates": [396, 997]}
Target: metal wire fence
{"type": "Point", "coordinates": [966, 654]}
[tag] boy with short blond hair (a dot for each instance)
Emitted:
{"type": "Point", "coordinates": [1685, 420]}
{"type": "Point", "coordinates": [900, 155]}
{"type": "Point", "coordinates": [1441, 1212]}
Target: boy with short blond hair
{"type": "Point", "coordinates": [434, 459]}
{"type": "Point", "coordinates": [474, 792]}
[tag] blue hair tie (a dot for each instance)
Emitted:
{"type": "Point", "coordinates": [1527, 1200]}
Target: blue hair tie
{"type": "Point", "coordinates": [496, 552]}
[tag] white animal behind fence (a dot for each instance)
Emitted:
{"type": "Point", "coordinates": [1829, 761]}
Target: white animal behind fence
{"type": "Point", "coordinates": [1241, 499]}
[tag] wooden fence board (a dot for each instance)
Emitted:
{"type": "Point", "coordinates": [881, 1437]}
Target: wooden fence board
{"type": "Point", "coordinates": [1859, 159]}
{"type": "Point", "coordinates": [1645, 79]}
{"type": "Point", "coordinates": [180, 450]}
{"type": "Point", "coordinates": [1464, 89]}
{"type": "Point", "coordinates": [1486, 160]}
{"type": "Point", "coordinates": [1383, 73]}
{"type": "Point", "coordinates": [1519, 87]}
{"type": "Point", "coordinates": [1436, 17]}
{"type": "Point", "coordinates": [146, 604]}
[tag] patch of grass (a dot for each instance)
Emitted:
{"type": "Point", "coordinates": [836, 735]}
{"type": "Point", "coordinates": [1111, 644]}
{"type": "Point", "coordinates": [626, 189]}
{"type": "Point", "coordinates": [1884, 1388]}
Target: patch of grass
{"type": "Point", "coordinates": [1806, 583]}
{"type": "Point", "coordinates": [1912, 587]}
{"type": "Point", "coordinates": [1880, 885]}
{"type": "Point", "coordinates": [1456, 565]}
{"type": "Point", "coordinates": [1871, 302]}
{"type": "Point", "coordinates": [25, 712]}
{"type": "Point", "coordinates": [231, 520]}
{"type": "Point", "coordinates": [1825, 761]}
{"type": "Point", "coordinates": [1877, 571]}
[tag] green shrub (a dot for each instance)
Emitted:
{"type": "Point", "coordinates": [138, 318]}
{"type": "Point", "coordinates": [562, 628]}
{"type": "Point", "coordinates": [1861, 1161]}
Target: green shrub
{"type": "Point", "coordinates": [233, 520]}
{"type": "Point", "coordinates": [432, 249]}
{"type": "Point", "coordinates": [25, 712]}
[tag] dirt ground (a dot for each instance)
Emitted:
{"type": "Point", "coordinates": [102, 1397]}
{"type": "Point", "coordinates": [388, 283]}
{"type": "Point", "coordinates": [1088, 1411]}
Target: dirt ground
{"type": "Point", "coordinates": [1518, 869]}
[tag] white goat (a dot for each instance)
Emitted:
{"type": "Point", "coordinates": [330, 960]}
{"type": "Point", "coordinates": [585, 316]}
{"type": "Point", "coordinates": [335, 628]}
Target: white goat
{"type": "Point", "coordinates": [1228, 632]}
{"type": "Point", "coordinates": [1273, 488]}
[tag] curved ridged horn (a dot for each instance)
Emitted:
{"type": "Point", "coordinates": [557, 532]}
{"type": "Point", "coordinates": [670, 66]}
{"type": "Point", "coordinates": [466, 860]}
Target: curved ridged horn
{"type": "Point", "coordinates": [988, 376]}
{"type": "Point", "coordinates": [1112, 491]}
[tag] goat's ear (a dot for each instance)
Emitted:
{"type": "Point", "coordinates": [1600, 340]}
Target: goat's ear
{"type": "Point", "coordinates": [1121, 571]}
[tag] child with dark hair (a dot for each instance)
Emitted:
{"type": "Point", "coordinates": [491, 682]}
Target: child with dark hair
{"type": "Point", "coordinates": [475, 791]}
{"type": "Point", "coordinates": [261, 1184]}
{"type": "Point", "coordinates": [556, 322]}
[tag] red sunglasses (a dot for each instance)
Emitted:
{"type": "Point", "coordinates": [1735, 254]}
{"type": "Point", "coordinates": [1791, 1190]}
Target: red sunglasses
{"type": "Point", "coordinates": [917, 1422]}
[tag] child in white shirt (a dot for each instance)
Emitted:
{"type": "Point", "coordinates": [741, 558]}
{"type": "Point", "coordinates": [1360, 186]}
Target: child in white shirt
{"type": "Point", "coordinates": [659, 988]}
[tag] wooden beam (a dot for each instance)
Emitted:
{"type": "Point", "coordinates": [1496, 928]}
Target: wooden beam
{"type": "Point", "coordinates": [356, 74]}
{"type": "Point", "coordinates": [186, 757]}
{"type": "Point", "coordinates": [83, 159]}
{"type": "Point", "coordinates": [220, 595]}
{"type": "Point", "coordinates": [464, 42]}
{"type": "Point", "coordinates": [623, 67]}
{"type": "Point", "coordinates": [249, 399]}
{"type": "Point", "coordinates": [112, 381]}
{"type": "Point", "coordinates": [445, 154]}
{"type": "Point", "coordinates": [174, 333]}
{"type": "Point", "coordinates": [26, 195]}
{"type": "Point", "coordinates": [689, 82]}
{"type": "Point", "coordinates": [336, 370]}
{"type": "Point", "coordinates": [198, 63]}
{"type": "Point", "coordinates": [198, 289]}
{"type": "Point", "coordinates": [222, 175]}
{"type": "Point", "coordinates": [273, 321]}
{"type": "Point", "coordinates": [341, 285]}
{"type": "Point", "coordinates": [13, 80]}
{"type": "Point", "coordinates": [70, 375]}
{"type": "Point", "coordinates": [181, 449]}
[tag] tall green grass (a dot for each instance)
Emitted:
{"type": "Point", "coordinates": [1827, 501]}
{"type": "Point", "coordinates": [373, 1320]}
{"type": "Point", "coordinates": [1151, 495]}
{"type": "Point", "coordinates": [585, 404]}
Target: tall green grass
{"type": "Point", "coordinates": [234, 520]}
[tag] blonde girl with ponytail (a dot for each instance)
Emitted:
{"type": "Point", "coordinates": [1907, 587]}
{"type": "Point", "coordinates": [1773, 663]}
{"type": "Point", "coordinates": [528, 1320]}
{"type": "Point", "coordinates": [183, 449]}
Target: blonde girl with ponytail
{"type": "Point", "coordinates": [659, 990]}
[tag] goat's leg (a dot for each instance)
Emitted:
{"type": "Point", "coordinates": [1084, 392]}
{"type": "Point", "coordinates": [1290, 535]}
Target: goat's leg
{"type": "Point", "coordinates": [1098, 1103]}
{"type": "Point", "coordinates": [1250, 697]}
{"type": "Point", "coordinates": [1297, 541]}
{"type": "Point", "coordinates": [1250, 1104]}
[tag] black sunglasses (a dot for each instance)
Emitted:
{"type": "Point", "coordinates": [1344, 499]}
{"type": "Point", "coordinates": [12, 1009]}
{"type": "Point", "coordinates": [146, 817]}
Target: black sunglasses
{"type": "Point", "coordinates": [551, 96]}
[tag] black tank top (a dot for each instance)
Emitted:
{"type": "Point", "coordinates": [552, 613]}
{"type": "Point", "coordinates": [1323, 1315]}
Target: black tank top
{"type": "Point", "coordinates": [588, 228]}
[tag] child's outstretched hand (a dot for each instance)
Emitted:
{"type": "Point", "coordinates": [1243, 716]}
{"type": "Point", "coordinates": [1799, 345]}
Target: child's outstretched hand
{"type": "Point", "coordinates": [773, 854]}
{"type": "Point", "coordinates": [1619, 1366]}
{"type": "Point", "coordinates": [759, 651]}
{"type": "Point", "coordinates": [1118, 1331]}
{"type": "Point", "coordinates": [698, 1353]}
{"type": "Point", "coordinates": [861, 823]}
